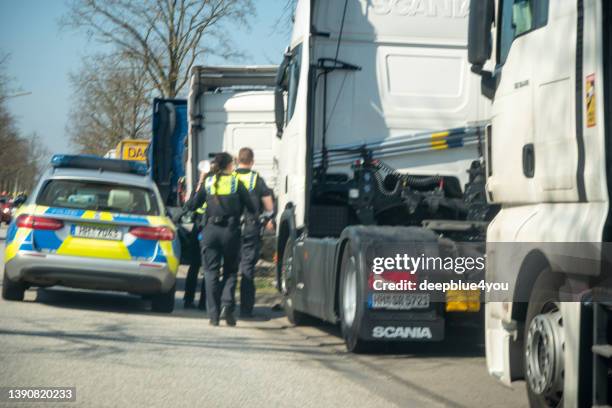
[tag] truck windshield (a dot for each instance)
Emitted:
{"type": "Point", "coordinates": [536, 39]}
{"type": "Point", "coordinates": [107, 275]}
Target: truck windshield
{"type": "Point", "coordinates": [96, 196]}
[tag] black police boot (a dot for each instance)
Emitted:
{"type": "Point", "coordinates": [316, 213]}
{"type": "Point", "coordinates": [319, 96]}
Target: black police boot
{"type": "Point", "coordinates": [213, 321]}
{"type": "Point", "coordinates": [202, 306]}
{"type": "Point", "coordinates": [188, 304]}
{"type": "Point", "coordinates": [228, 316]}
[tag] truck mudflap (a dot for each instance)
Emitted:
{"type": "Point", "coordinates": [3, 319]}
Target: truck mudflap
{"type": "Point", "coordinates": [394, 304]}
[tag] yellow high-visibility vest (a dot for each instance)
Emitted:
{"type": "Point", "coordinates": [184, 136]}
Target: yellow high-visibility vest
{"type": "Point", "coordinates": [227, 184]}
{"type": "Point", "coordinates": [248, 179]}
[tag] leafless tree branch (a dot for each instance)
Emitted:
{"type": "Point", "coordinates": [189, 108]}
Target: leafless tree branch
{"type": "Point", "coordinates": [165, 37]}
{"type": "Point", "coordinates": [111, 103]}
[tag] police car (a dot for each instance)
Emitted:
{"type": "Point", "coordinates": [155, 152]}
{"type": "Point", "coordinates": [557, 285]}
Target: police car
{"type": "Point", "coordinates": [93, 223]}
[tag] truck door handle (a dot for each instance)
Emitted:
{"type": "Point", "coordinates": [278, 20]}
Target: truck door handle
{"type": "Point", "coordinates": [528, 160]}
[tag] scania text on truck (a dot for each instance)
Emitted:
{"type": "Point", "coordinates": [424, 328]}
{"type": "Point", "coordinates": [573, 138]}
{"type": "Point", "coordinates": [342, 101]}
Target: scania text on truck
{"type": "Point", "coordinates": [380, 152]}
{"type": "Point", "coordinates": [546, 67]}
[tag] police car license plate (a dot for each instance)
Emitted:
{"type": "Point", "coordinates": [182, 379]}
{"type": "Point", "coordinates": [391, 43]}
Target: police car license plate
{"type": "Point", "coordinates": [399, 301]}
{"type": "Point", "coordinates": [93, 232]}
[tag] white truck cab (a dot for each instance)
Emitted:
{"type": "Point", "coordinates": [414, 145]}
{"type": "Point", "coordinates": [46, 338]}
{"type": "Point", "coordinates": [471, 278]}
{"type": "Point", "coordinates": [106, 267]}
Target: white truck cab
{"type": "Point", "coordinates": [545, 66]}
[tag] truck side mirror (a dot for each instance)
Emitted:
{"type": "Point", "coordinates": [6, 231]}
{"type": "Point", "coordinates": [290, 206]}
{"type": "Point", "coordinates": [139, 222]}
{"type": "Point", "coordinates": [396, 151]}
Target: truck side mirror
{"type": "Point", "coordinates": [279, 95]}
{"type": "Point", "coordinates": [480, 43]}
{"type": "Point", "coordinates": [479, 33]}
{"type": "Point", "coordinates": [279, 110]}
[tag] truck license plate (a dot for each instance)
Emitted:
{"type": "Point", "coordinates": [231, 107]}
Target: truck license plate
{"type": "Point", "coordinates": [399, 301]}
{"type": "Point", "coordinates": [92, 232]}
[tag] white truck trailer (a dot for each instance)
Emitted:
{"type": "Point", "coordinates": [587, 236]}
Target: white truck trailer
{"type": "Point", "coordinates": [546, 66]}
{"type": "Point", "coordinates": [364, 94]}
{"type": "Point", "coordinates": [230, 108]}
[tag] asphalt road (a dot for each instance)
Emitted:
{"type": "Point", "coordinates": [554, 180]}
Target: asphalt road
{"type": "Point", "coordinates": [117, 353]}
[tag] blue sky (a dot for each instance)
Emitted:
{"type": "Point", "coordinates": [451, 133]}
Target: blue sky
{"type": "Point", "coordinates": [42, 56]}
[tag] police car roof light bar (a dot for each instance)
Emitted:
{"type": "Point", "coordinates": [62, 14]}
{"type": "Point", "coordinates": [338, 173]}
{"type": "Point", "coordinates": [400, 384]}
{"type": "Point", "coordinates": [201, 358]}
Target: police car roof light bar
{"type": "Point", "coordinates": [84, 161]}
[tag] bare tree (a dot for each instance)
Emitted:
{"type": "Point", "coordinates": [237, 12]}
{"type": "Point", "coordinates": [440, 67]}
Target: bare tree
{"type": "Point", "coordinates": [164, 36]}
{"type": "Point", "coordinates": [21, 158]}
{"type": "Point", "coordinates": [284, 23]}
{"type": "Point", "coordinates": [111, 102]}
{"type": "Point", "coordinates": [25, 172]}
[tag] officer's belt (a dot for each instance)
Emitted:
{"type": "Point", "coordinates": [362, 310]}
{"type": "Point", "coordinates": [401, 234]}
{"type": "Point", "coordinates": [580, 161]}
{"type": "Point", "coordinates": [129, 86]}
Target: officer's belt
{"type": "Point", "coordinates": [223, 220]}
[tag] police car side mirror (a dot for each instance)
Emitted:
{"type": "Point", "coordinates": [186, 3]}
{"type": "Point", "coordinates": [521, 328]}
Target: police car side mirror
{"type": "Point", "coordinates": [18, 202]}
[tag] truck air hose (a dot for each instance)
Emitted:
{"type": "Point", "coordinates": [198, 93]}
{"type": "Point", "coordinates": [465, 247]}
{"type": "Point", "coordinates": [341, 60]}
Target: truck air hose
{"type": "Point", "coordinates": [402, 179]}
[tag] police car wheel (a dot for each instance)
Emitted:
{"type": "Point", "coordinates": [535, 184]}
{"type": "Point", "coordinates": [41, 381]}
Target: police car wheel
{"type": "Point", "coordinates": [12, 290]}
{"type": "Point", "coordinates": [544, 343]}
{"type": "Point", "coordinates": [163, 302]}
{"type": "Point", "coordinates": [351, 303]}
{"type": "Point", "coordinates": [295, 317]}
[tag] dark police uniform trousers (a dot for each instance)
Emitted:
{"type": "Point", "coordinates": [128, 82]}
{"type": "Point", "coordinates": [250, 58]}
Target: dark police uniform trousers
{"type": "Point", "coordinates": [221, 244]}
{"type": "Point", "coordinates": [251, 238]}
{"type": "Point", "coordinates": [191, 282]}
{"type": "Point", "coordinates": [249, 255]}
{"type": "Point", "coordinates": [225, 198]}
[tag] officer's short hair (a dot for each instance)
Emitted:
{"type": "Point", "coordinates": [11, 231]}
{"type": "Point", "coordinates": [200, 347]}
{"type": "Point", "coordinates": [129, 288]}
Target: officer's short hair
{"type": "Point", "coordinates": [246, 155]}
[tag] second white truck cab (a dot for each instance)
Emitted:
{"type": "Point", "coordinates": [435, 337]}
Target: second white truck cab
{"type": "Point", "coordinates": [359, 72]}
{"type": "Point", "coordinates": [230, 108]}
{"type": "Point", "coordinates": [380, 152]}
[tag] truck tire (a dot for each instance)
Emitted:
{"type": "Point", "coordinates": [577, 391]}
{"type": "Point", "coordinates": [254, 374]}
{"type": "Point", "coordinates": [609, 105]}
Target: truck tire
{"type": "Point", "coordinates": [351, 303]}
{"type": "Point", "coordinates": [12, 290]}
{"type": "Point", "coordinates": [544, 343]}
{"type": "Point", "coordinates": [164, 302]}
{"type": "Point", "coordinates": [295, 317]}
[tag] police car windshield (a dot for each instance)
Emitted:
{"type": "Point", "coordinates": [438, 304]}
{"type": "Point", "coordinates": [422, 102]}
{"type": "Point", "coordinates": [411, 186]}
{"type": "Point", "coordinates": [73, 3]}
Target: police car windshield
{"type": "Point", "coordinates": [97, 196]}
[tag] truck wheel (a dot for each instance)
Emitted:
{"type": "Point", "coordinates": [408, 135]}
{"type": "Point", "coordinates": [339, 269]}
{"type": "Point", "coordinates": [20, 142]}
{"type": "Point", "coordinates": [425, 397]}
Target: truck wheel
{"type": "Point", "coordinates": [351, 302]}
{"type": "Point", "coordinates": [544, 343]}
{"type": "Point", "coordinates": [164, 302]}
{"type": "Point", "coordinates": [295, 317]}
{"type": "Point", "coordinates": [12, 290]}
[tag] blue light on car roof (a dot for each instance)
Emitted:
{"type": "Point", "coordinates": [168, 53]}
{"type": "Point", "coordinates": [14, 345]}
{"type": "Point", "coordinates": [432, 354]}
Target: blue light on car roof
{"type": "Point", "coordinates": [85, 161]}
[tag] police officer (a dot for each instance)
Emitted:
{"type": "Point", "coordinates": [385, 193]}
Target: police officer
{"type": "Point", "coordinates": [225, 198]}
{"type": "Point", "coordinates": [195, 263]}
{"type": "Point", "coordinates": [251, 232]}
{"type": "Point", "coordinates": [191, 281]}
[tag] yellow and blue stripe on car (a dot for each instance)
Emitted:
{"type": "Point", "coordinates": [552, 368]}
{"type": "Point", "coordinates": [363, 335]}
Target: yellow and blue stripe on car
{"type": "Point", "coordinates": [63, 241]}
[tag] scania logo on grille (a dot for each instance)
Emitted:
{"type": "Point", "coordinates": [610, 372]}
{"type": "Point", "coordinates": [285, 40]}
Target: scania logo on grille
{"type": "Point", "coordinates": [394, 332]}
